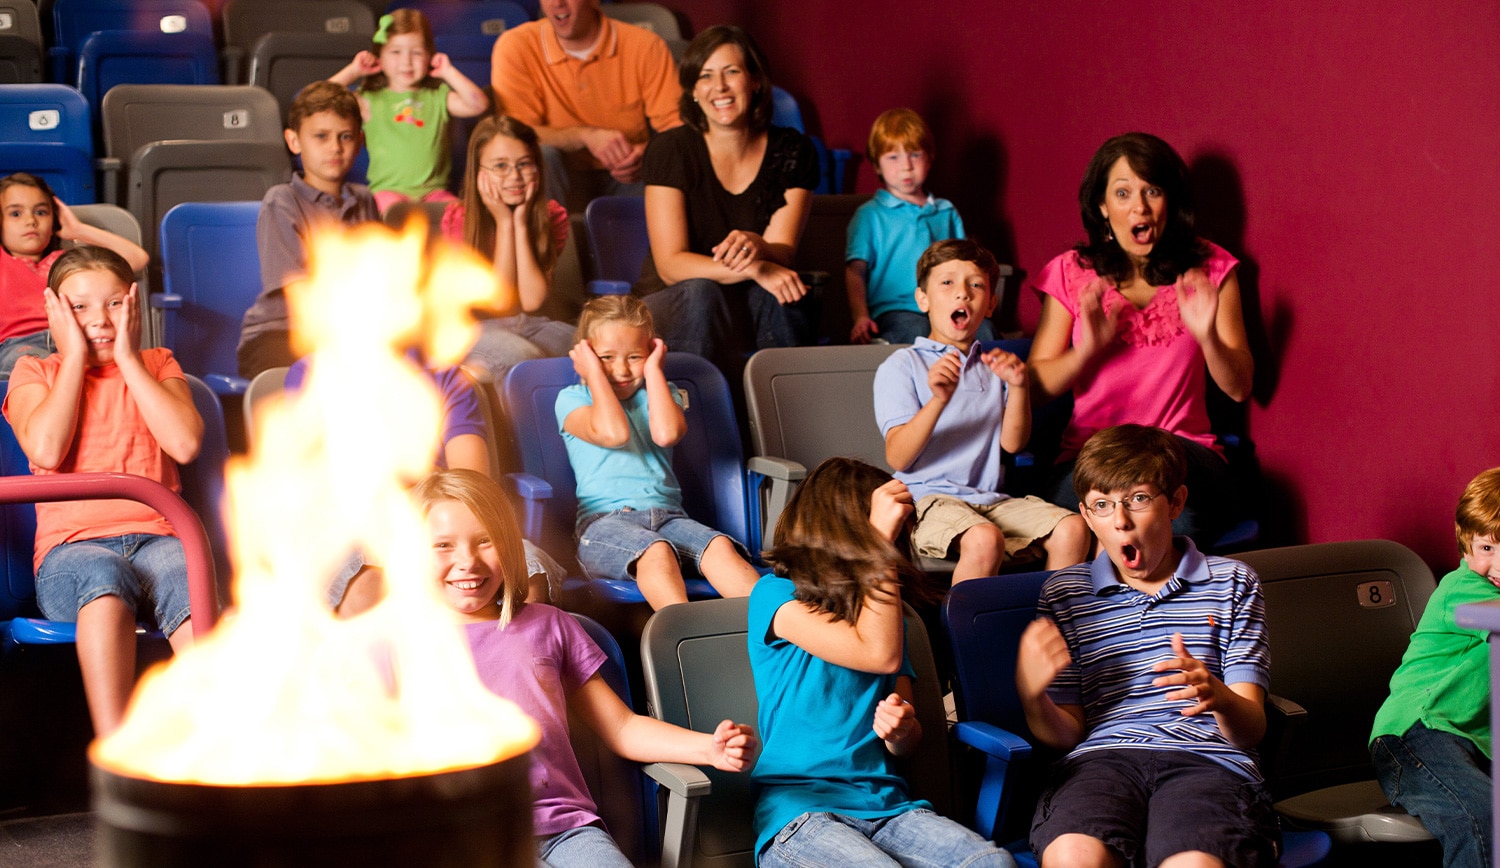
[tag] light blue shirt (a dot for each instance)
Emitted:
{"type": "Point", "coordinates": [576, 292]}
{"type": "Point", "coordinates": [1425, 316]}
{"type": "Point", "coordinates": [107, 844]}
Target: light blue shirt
{"type": "Point", "coordinates": [1115, 634]}
{"type": "Point", "coordinates": [637, 475]}
{"type": "Point", "coordinates": [962, 458]}
{"type": "Point", "coordinates": [819, 750]}
{"type": "Point", "coordinates": [890, 234]}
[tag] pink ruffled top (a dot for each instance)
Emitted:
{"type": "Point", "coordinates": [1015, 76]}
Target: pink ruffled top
{"type": "Point", "coordinates": [1153, 373]}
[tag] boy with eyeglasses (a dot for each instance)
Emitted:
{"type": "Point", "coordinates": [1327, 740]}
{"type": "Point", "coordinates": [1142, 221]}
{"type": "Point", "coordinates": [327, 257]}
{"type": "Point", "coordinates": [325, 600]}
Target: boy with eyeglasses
{"type": "Point", "coordinates": [1149, 666]}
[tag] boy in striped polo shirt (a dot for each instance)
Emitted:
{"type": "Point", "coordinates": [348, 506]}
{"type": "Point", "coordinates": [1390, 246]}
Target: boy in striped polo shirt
{"type": "Point", "coordinates": [1150, 667]}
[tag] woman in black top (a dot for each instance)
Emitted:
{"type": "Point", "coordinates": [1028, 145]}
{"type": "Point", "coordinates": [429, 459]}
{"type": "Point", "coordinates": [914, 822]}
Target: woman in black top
{"type": "Point", "coordinates": [727, 196]}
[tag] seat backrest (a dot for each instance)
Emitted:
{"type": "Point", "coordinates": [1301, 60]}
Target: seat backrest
{"type": "Point", "coordinates": [475, 17]}
{"type": "Point", "coordinates": [785, 112]}
{"type": "Point", "coordinates": [807, 404]}
{"type": "Point", "coordinates": [74, 20]}
{"type": "Point", "coordinates": [203, 478]}
{"type": "Point", "coordinates": [210, 260]}
{"type": "Point", "coordinates": [271, 381]}
{"type": "Point", "coordinates": [697, 673]}
{"type": "Point", "coordinates": [246, 21]}
{"type": "Point", "coordinates": [20, 60]}
{"type": "Point", "coordinates": [707, 461]}
{"type": "Point", "coordinates": [1339, 617]}
{"type": "Point", "coordinates": [115, 57]}
{"type": "Point", "coordinates": [284, 63]}
{"type": "Point", "coordinates": [46, 129]}
{"type": "Point", "coordinates": [651, 16]}
{"type": "Point", "coordinates": [984, 619]}
{"type": "Point", "coordinates": [135, 115]}
{"type": "Point", "coordinates": [166, 174]}
{"type": "Point", "coordinates": [617, 237]}
{"type": "Point", "coordinates": [19, 18]}
{"type": "Point", "coordinates": [110, 218]}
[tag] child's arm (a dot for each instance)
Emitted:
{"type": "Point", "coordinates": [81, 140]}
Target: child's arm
{"type": "Point", "coordinates": [70, 228]}
{"type": "Point", "coordinates": [668, 422]}
{"type": "Point", "coordinates": [1015, 422]}
{"type": "Point", "coordinates": [465, 99]}
{"type": "Point", "coordinates": [876, 641]}
{"type": "Point", "coordinates": [1054, 363]}
{"type": "Point", "coordinates": [855, 271]}
{"type": "Point", "coordinates": [532, 283]}
{"type": "Point", "coordinates": [467, 452]}
{"type": "Point", "coordinates": [603, 422]}
{"type": "Point", "coordinates": [905, 442]}
{"type": "Point", "coordinates": [896, 720]}
{"type": "Point", "coordinates": [1043, 654]}
{"type": "Point", "coordinates": [1238, 708]}
{"type": "Point", "coordinates": [1213, 317]}
{"type": "Point", "coordinates": [730, 747]}
{"type": "Point", "coordinates": [45, 420]}
{"type": "Point", "coordinates": [364, 63]}
{"type": "Point", "coordinates": [165, 405]}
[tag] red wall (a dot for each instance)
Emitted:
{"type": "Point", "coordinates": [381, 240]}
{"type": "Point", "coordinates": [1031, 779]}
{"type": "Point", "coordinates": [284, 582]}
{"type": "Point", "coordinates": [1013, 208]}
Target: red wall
{"type": "Point", "coordinates": [1347, 152]}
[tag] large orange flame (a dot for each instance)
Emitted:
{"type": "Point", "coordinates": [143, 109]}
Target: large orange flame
{"type": "Point", "coordinates": [282, 692]}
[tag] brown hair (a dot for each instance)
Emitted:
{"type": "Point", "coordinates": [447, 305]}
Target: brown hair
{"type": "Point", "coordinates": [826, 545]}
{"type": "Point", "coordinates": [898, 128]}
{"type": "Point", "coordinates": [624, 309]}
{"type": "Point", "coordinates": [397, 23]}
{"type": "Point", "coordinates": [1129, 455]}
{"type": "Point", "coordinates": [323, 96]}
{"type": "Point", "coordinates": [700, 50]}
{"type": "Point", "coordinates": [479, 223]}
{"type": "Point", "coordinates": [482, 496]}
{"type": "Point", "coordinates": [960, 249]}
{"type": "Point", "coordinates": [88, 258]}
{"type": "Point", "coordinates": [26, 179]}
{"type": "Point", "coordinates": [1478, 510]}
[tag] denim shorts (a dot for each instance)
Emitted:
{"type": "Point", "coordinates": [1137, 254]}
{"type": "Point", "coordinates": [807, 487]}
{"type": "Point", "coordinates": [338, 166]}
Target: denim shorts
{"type": "Point", "coordinates": [143, 570]}
{"type": "Point", "coordinates": [584, 847]}
{"type": "Point", "coordinates": [915, 837]}
{"type": "Point", "coordinates": [609, 543]}
{"type": "Point", "coordinates": [37, 344]}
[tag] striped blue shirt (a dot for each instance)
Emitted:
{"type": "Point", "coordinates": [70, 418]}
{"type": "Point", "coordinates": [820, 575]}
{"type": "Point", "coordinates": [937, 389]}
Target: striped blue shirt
{"type": "Point", "coordinates": [1115, 634]}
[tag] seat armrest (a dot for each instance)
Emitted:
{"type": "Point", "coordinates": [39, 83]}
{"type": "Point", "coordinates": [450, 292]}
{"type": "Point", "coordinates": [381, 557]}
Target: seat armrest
{"type": "Point", "coordinates": [685, 786]}
{"type": "Point", "coordinates": [225, 384]}
{"type": "Point", "coordinates": [165, 301]}
{"type": "Point", "coordinates": [776, 468]}
{"type": "Point", "coordinates": [1283, 717]}
{"type": "Point", "coordinates": [109, 179]}
{"type": "Point", "coordinates": [992, 740]}
{"type": "Point", "coordinates": [767, 501]}
{"type": "Point", "coordinates": [680, 778]}
{"type": "Point", "coordinates": [532, 490]}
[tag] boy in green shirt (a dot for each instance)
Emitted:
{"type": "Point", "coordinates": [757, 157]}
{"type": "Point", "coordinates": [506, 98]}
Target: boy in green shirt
{"type": "Point", "coordinates": [1431, 741]}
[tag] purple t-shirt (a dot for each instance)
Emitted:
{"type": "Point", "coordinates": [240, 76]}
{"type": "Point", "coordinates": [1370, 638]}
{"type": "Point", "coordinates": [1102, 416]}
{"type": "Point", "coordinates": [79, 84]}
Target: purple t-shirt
{"type": "Point", "coordinates": [562, 657]}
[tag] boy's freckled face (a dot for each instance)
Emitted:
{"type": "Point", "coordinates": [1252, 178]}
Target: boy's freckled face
{"type": "Point", "coordinates": [1481, 557]}
{"type": "Point", "coordinates": [957, 299]}
{"type": "Point", "coordinates": [623, 350]}
{"type": "Point", "coordinates": [94, 295]}
{"type": "Point", "coordinates": [467, 560]}
{"type": "Point", "coordinates": [27, 221]}
{"type": "Point", "coordinates": [328, 144]}
{"type": "Point", "coordinates": [1139, 544]}
{"type": "Point", "coordinates": [904, 173]}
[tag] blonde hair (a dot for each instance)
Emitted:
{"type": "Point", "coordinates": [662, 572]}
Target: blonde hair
{"type": "Point", "coordinates": [88, 258]}
{"type": "Point", "coordinates": [624, 309]}
{"type": "Point", "coordinates": [1478, 510]}
{"type": "Point", "coordinates": [898, 128]}
{"type": "Point", "coordinates": [482, 496]}
{"type": "Point", "coordinates": [479, 223]}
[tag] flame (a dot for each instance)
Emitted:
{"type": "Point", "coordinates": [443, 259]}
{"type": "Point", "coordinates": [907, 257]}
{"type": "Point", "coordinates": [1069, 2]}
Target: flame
{"type": "Point", "coordinates": [282, 692]}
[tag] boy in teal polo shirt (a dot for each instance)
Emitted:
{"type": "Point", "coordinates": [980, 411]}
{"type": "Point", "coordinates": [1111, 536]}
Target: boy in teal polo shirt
{"type": "Point", "coordinates": [1431, 740]}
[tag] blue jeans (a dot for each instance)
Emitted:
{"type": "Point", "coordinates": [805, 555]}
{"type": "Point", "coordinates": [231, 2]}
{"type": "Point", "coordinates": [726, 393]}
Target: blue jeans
{"type": "Point", "coordinates": [141, 569]}
{"type": "Point", "coordinates": [914, 839]}
{"type": "Point", "coordinates": [37, 344]}
{"type": "Point", "coordinates": [1444, 781]}
{"type": "Point", "coordinates": [905, 326]}
{"type": "Point", "coordinates": [575, 188]}
{"type": "Point", "coordinates": [507, 341]}
{"type": "Point", "coordinates": [583, 847]}
{"type": "Point", "coordinates": [726, 323]}
{"type": "Point", "coordinates": [610, 543]}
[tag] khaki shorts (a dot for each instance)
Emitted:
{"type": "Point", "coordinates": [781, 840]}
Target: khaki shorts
{"type": "Point", "coordinates": [941, 519]}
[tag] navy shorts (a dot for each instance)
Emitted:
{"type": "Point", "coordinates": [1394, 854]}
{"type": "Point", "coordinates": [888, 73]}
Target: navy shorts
{"type": "Point", "coordinates": [1147, 805]}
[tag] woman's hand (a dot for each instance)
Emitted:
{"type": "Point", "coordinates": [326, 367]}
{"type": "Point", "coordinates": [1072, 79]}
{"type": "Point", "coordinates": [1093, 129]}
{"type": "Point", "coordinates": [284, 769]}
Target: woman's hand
{"type": "Point", "coordinates": [1197, 303]}
{"type": "Point", "coordinates": [777, 280]}
{"type": "Point", "coordinates": [67, 334]}
{"type": "Point", "coordinates": [67, 223]}
{"type": "Point", "coordinates": [1100, 322]}
{"type": "Point", "coordinates": [891, 507]}
{"type": "Point", "coordinates": [740, 249]}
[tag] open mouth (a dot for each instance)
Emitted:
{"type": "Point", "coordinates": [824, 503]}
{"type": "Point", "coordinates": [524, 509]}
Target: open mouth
{"type": "Point", "coordinates": [1143, 233]}
{"type": "Point", "coordinates": [961, 317]}
{"type": "Point", "coordinates": [1130, 556]}
{"type": "Point", "coordinates": [466, 584]}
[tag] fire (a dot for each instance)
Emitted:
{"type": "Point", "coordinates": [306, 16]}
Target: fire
{"type": "Point", "coordinates": [282, 692]}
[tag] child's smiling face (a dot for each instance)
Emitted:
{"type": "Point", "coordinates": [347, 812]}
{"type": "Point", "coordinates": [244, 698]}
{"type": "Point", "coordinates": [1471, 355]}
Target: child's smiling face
{"type": "Point", "coordinates": [468, 561]}
{"type": "Point", "coordinates": [27, 221]}
{"type": "Point", "coordinates": [956, 298]}
{"type": "Point", "coordinates": [1481, 557]}
{"type": "Point", "coordinates": [622, 350]}
{"type": "Point", "coordinates": [405, 61]}
{"type": "Point", "coordinates": [95, 297]}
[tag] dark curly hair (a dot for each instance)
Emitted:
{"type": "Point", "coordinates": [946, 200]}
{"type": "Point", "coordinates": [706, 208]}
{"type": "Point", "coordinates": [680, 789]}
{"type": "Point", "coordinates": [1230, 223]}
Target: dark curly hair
{"type": "Point", "coordinates": [700, 50]}
{"type": "Point", "coordinates": [1179, 247]}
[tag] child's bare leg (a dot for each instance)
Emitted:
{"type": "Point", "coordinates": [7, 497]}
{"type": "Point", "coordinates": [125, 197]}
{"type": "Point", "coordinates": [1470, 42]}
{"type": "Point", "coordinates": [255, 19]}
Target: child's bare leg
{"type": "Point", "coordinates": [181, 638]}
{"type": "Point", "coordinates": [730, 574]}
{"type": "Point", "coordinates": [1192, 859]}
{"type": "Point", "coordinates": [1068, 544]}
{"type": "Point", "coordinates": [981, 549]}
{"type": "Point", "coordinates": [660, 576]}
{"type": "Point", "coordinates": [1079, 851]}
{"type": "Point", "coordinates": [106, 656]}
{"type": "Point", "coordinates": [364, 591]}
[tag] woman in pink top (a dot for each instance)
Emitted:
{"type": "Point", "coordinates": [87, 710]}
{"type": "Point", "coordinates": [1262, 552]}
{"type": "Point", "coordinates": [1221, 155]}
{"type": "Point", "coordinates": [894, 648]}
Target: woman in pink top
{"type": "Point", "coordinates": [1134, 317]}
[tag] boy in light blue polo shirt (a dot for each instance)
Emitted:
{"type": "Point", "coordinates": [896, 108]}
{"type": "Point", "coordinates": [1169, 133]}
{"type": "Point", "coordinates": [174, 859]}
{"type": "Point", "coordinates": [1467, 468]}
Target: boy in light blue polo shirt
{"type": "Point", "coordinates": [1150, 667]}
{"type": "Point", "coordinates": [948, 412]}
{"type": "Point", "coordinates": [888, 234]}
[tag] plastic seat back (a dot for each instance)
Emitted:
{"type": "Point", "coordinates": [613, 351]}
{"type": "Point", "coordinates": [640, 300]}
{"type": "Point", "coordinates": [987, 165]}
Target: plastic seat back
{"type": "Point", "coordinates": [17, 532]}
{"type": "Point", "coordinates": [617, 237]}
{"type": "Point", "coordinates": [73, 21]}
{"type": "Point", "coordinates": [284, 63]}
{"type": "Point", "coordinates": [46, 129]}
{"type": "Point", "coordinates": [211, 275]}
{"type": "Point", "coordinates": [20, 60]}
{"type": "Point", "coordinates": [697, 671]}
{"type": "Point", "coordinates": [19, 18]}
{"type": "Point", "coordinates": [649, 16]}
{"type": "Point", "coordinates": [474, 17]}
{"type": "Point", "coordinates": [113, 57]}
{"type": "Point", "coordinates": [246, 21]}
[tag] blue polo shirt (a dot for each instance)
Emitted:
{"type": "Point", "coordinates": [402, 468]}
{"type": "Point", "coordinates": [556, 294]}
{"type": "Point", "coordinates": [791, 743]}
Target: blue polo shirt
{"type": "Point", "coordinates": [890, 234]}
{"type": "Point", "coordinates": [637, 475]}
{"type": "Point", "coordinates": [1115, 634]}
{"type": "Point", "coordinates": [962, 458]}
